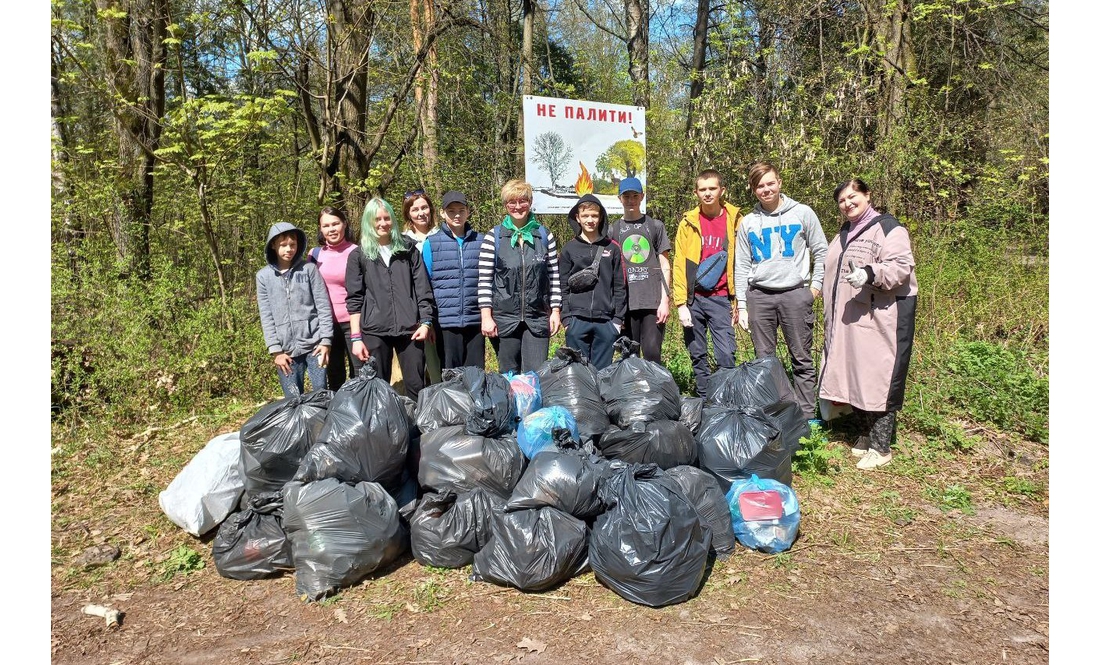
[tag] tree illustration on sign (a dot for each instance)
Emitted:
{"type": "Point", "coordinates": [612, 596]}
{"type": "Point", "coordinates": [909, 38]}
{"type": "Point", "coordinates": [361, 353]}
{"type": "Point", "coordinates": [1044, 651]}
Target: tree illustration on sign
{"type": "Point", "coordinates": [624, 159]}
{"type": "Point", "coordinates": [553, 154]}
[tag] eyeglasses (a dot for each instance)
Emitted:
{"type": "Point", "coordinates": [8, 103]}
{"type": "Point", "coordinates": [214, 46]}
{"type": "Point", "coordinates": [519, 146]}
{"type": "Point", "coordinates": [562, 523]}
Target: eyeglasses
{"type": "Point", "coordinates": [517, 203]}
{"type": "Point", "coordinates": [414, 192]}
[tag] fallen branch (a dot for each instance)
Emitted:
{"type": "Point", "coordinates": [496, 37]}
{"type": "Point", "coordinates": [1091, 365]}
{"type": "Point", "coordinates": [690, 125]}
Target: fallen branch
{"type": "Point", "coordinates": [111, 616]}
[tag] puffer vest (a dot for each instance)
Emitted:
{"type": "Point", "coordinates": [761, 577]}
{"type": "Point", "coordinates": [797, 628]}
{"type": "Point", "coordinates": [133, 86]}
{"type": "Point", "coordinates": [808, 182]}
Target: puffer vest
{"type": "Point", "coordinates": [454, 277]}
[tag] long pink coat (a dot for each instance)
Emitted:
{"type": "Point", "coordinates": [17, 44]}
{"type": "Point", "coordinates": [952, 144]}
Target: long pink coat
{"type": "Point", "coordinates": [869, 331]}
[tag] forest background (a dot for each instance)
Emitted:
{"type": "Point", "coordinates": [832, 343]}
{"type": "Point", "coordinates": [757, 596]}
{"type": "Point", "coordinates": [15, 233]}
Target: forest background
{"type": "Point", "coordinates": [181, 129]}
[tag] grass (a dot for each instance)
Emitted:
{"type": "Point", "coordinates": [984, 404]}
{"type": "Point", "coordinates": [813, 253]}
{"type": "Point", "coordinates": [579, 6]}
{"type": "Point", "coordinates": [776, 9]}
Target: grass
{"type": "Point", "coordinates": [182, 561]}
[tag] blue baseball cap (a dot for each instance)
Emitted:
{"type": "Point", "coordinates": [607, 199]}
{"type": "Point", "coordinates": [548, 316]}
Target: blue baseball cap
{"type": "Point", "coordinates": [630, 185]}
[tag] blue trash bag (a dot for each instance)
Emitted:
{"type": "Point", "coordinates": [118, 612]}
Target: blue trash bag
{"type": "Point", "coordinates": [536, 431]}
{"type": "Point", "coordinates": [527, 392]}
{"type": "Point", "coordinates": [767, 533]}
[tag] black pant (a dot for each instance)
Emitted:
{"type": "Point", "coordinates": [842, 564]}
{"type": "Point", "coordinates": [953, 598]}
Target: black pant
{"type": "Point", "coordinates": [880, 427]}
{"type": "Point", "coordinates": [642, 327]}
{"type": "Point", "coordinates": [520, 351]}
{"type": "Point", "coordinates": [462, 347]}
{"type": "Point", "coordinates": [341, 366]}
{"type": "Point", "coordinates": [410, 355]}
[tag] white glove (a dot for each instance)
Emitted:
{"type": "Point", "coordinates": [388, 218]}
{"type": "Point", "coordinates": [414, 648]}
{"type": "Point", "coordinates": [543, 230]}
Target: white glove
{"type": "Point", "coordinates": [743, 319]}
{"type": "Point", "coordinates": [857, 277]}
{"type": "Point", "coordinates": [685, 315]}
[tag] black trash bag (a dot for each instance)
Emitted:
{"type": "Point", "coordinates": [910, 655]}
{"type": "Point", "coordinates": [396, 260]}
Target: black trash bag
{"type": "Point", "coordinates": [636, 390]}
{"type": "Point", "coordinates": [533, 550]}
{"type": "Point", "coordinates": [568, 381]}
{"type": "Point", "coordinates": [339, 533]}
{"type": "Point", "coordinates": [274, 441]}
{"type": "Point", "coordinates": [666, 443]}
{"type": "Point", "coordinates": [568, 480]}
{"type": "Point", "coordinates": [691, 413]}
{"type": "Point", "coordinates": [448, 529]}
{"type": "Point", "coordinates": [792, 425]}
{"type": "Point", "coordinates": [251, 544]}
{"type": "Point", "coordinates": [736, 443]}
{"type": "Point", "coordinates": [412, 460]}
{"type": "Point", "coordinates": [444, 404]}
{"type": "Point", "coordinates": [365, 436]}
{"type": "Point", "coordinates": [703, 491]}
{"type": "Point", "coordinates": [451, 459]}
{"type": "Point", "coordinates": [760, 382]}
{"type": "Point", "coordinates": [494, 408]}
{"type": "Point", "coordinates": [650, 547]}
{"type": "Point", "coordinates": [407, 497]}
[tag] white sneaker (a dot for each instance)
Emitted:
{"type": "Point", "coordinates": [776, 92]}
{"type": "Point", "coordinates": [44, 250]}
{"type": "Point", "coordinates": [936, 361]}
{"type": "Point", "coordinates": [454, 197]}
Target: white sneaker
{"type": "Point", "coordinates": [873, 459]}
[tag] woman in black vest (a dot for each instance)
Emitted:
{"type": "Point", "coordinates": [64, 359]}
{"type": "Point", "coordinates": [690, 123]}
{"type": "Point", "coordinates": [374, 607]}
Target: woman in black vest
{"type": "Point", "coordinates": [519, 290]}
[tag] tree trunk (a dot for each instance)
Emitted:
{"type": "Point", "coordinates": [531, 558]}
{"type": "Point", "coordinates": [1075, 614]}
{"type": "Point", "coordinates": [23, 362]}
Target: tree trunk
{"type": "Point", "coordinates": [134, 32]}
{"type": "Point", "coordinates": [637, 48]}
{"type": "Point", "coordinates": [698, 69]}
{"type": "Point", "coordinates": [422, 14]}
{"type": "Point", "coordinates": [894, 42]}
{"type": "Point", "coordinates": [528, 74]}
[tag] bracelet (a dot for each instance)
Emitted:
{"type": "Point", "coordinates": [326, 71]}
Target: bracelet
{"type": "Point", "coordinates": [357, 338]}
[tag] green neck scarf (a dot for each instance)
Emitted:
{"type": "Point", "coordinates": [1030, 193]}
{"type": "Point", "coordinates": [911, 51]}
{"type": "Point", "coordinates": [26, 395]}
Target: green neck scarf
{"type": "Point", "coordinates": [527, 231]}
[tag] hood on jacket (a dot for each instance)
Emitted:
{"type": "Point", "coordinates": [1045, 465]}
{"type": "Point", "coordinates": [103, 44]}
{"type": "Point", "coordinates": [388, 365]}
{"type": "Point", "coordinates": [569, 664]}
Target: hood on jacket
{"type": "Point", "coordinates": [785, 204]}
{"type": "Point", "coordinates": [576, 226]}
{"type": "Point", "coordinates": [280, 228]}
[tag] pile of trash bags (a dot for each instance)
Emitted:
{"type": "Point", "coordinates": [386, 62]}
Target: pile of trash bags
{"type": "Point", "coordinates": [530, 479]}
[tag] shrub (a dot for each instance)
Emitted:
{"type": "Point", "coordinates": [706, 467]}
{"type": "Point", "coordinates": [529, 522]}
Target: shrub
{"type": "Point", "coordinates": [997, 385]}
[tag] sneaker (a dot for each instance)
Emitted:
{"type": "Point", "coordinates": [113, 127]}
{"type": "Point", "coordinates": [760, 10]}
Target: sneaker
{"type": "Point", "coordinates": [815, 422]}
{"type": "Point", "coordinates": [873, 459]}
{"type": "Point", "coordinates": [862, 444]}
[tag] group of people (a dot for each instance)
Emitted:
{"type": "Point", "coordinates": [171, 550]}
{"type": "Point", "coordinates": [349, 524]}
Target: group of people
{"type": "Point", "coordinates": [432, 296]}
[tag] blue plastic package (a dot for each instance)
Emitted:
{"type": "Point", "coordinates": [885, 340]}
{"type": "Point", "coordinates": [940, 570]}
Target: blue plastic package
{"type": "Point", "coordinates": [526, 389]}
{"type": "Point", "coordinates": [765, 514]}
{"type": "Point", "coordinates": [536, 431]}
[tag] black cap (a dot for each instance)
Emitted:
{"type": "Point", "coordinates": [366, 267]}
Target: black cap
{"type": "Point", "coordinates": [454, 197]}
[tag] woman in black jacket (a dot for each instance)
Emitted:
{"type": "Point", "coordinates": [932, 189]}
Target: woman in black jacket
{"type": "Point", "coordinates": [389, 298]}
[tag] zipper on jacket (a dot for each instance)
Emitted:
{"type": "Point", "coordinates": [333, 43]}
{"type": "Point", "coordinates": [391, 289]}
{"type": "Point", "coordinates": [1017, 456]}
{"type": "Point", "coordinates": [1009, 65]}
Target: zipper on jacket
{"type": "Point", "coordinates": [522, 284]}
{"type": "Point", "coordinates": [592, 298]}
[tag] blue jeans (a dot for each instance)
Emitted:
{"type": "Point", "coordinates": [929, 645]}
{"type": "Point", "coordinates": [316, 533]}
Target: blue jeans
{"type": "Point", "coordinates": [294, 383]}
{"type": "Point", "coordinates": [595, 339]}
{"type": "Point", "coordinates": [714, 314]}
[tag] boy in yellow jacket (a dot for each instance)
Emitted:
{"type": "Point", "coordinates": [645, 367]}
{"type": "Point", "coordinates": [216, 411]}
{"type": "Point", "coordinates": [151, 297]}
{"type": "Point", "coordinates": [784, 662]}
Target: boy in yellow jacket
{"type": "Point", "coordinates": [702, 277]}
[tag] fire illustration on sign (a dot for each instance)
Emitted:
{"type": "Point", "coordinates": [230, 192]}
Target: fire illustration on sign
{"type": "Point", "coordinates": [584, 182]}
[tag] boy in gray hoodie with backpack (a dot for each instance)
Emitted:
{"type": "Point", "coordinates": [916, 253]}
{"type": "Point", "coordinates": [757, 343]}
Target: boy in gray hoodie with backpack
{"type": "Point", "coordinates": [772, 274]}
{"type": "Point", "coordinates": [295, 313]}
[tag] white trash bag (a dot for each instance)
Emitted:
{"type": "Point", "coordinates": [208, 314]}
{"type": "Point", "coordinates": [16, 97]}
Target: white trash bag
{"type": "Point", "coordinates": [208, 488]}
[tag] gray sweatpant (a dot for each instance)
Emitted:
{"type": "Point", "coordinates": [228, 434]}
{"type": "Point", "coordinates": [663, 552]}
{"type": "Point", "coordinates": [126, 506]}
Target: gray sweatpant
{"type": "Point", "coordinates": [793, 311]}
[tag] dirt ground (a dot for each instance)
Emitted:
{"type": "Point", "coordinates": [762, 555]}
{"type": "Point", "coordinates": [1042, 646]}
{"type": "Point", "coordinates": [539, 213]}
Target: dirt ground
{"type": "Point", "coordinates": [883, 572]}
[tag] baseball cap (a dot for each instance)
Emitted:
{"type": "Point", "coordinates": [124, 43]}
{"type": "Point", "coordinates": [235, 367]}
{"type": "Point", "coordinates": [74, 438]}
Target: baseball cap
{"type": "Point", "coordinates": [630, 185]}
{"type": "Point", "coordinates": [454, 197]}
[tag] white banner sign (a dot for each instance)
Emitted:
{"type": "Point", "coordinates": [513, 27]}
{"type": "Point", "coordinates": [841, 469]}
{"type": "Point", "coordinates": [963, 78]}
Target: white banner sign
{"type": "Point", "coordinates": [574, 147]}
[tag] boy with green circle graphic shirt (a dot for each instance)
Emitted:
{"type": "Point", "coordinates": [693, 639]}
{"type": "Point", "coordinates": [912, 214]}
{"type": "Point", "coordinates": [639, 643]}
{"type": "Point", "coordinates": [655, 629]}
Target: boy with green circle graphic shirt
{"type": "Point", "coordinates": [645, 246]}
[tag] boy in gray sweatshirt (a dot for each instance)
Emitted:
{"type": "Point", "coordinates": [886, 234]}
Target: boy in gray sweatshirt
{"type": "Point", "coordinates": [773, 277]}
{"type": "Point", "coordinates": [295, 313]}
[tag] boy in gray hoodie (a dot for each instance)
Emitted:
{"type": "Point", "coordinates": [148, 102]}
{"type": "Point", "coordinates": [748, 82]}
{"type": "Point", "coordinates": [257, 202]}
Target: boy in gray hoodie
{"type": "Point", "coordinates": [772, 275]}
{"type": "Point", "coordinates": [295, 313]}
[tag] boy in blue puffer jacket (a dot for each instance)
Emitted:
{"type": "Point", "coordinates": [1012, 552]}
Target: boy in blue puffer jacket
{"type": "Point", "coordinates": [295, 313]}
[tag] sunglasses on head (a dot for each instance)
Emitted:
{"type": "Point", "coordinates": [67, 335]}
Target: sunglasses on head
{"type": "Point", "coordinates": [414, 192]}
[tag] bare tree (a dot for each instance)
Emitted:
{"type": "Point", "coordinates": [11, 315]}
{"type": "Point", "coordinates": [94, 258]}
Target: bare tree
{"type": "Point", "coordinates": [553, 154]}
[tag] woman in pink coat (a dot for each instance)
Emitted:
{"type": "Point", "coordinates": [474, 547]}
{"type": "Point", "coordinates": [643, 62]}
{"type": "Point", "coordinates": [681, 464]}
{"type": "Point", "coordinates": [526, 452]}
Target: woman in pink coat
{"type": "Point", "coordinates": [870, 295]}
